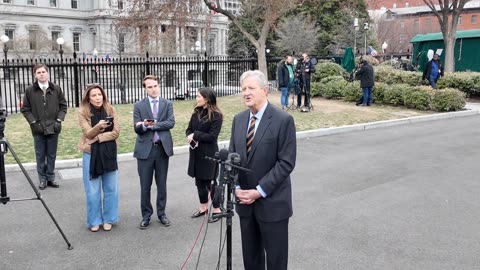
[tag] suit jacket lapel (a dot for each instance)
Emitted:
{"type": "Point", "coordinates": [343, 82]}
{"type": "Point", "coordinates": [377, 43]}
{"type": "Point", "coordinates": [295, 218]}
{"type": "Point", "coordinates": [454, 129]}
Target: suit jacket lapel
{"type": "Point", "coordinates": [241, 134]}
{"type": "Point", "coordinates": [262, 127]}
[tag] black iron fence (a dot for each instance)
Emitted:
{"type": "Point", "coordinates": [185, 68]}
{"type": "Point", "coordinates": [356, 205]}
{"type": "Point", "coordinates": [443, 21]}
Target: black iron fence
{"type": "Point", "coordinates": [180, 77]}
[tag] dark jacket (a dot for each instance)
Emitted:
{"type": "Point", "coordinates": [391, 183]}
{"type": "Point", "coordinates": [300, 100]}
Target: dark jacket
{"type": "Point", "coordinates": [428, 69]}
{"type": "Point", "coordinates": [365, 74]}
{"type": "Point", "coordinates": [206, 134]}
{"type": "Point", "coordinates": [283, 75]}
{"type": "Point", "coordinates": [42, 112]}
{"type": "Point", "coordinates": [301, 70]}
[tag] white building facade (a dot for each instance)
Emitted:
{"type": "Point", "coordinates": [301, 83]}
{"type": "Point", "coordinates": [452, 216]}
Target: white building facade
{"type": "Point", "coordinates": [87, 27]}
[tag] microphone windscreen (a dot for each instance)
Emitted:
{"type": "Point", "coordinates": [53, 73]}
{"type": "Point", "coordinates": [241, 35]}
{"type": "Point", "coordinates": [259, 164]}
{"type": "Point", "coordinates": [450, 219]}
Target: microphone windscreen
{"type": "Point", "coordinates": [223, 154]}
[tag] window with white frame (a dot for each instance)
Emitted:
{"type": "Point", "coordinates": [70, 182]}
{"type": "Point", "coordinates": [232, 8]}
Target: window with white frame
{"type": "Point", "coordinates": [31, 2]}
{"type": "Point", "coordinates": [120, 4]}
{"type": "Point", "coordinates": [74, 4]}
{"type": "Point", "coordinates": [7, 1]}
{"type": "Point", "coordinates": [10, 33]}
{"type": "Point", "coordinates": [121, 42]}
{"type": "Point", "coordinates": [32, 38]}
{"type": "Point", "coordinates": [76, 42]}
{"type": "Point", "coordinates": [53, 3]}
{"type": "Point", "coordinates": [55, 35]}
{"type": "Point", "coordinates": [474, 19]}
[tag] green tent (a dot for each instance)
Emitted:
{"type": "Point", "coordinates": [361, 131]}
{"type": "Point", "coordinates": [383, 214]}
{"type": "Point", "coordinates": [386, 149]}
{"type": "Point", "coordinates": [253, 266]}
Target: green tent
{"type": "Point", "coordinates": [348, 62]}
{"type": "Point", "coordinates": [467, 57]}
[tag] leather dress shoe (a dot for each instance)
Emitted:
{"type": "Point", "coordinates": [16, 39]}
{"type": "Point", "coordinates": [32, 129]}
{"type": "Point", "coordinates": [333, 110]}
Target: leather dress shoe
{"type": "Point", "coordinates": [43, 185]}
{"type": "Point", "coordinates": [198, 213]}
{"type": "Point", "coordinates": [164, 220]}
{"type": "Point", "coordinates": [144, 224]}
{"type": "Point", "coordinates": [53, 184]}
{"type": "Point", "coordinates": [215, 217]}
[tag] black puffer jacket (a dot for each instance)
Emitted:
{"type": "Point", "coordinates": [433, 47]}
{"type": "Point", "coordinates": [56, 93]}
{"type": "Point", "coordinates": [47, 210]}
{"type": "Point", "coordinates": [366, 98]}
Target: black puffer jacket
{"type": "Point", "coordinates": [42, 112]}
{"type": "Point", "coordinates": [365, 74]}
{"type": "Point", "coordinates": [283, 74]}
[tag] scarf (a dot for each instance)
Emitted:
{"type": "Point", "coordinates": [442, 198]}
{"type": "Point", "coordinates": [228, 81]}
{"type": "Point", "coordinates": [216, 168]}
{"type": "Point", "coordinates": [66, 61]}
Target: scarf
{"type": "Point", "coordinates": [103, 155]}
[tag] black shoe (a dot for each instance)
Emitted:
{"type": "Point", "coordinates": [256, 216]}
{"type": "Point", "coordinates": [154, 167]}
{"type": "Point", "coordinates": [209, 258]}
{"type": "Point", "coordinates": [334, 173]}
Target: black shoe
{"type": "Point", "coordinates": [164, 220]}
{"type": "Point", "coordinates": [215, 217]}
{"type": "Point", "coordinates": [144, 224]}
{"type": "Point", "coordinates": [53, 184]}
{"type": "Point", "coordinates": [43, 185]}
{"type": "Point", "coordinates": [198, 214]}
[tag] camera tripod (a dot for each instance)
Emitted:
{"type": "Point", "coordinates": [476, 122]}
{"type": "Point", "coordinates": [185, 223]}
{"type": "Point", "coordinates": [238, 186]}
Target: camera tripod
{"type": "Point", "coordinates": [228, 176]}
{"type": "Point", "coordinates": [4, 199]}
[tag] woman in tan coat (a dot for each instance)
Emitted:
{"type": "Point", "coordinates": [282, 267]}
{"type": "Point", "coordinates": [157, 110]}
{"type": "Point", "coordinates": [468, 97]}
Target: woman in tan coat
{"type": "Point", "coordinates": [100, 129]}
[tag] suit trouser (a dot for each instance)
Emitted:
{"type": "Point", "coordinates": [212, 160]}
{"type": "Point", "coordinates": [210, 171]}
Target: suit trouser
{"type": "Point", "coordinates": [45, 155]}
{"type": "Point", "coordinates": [157, 161]}
{"type": "Point", "coordinates": [260, 239]}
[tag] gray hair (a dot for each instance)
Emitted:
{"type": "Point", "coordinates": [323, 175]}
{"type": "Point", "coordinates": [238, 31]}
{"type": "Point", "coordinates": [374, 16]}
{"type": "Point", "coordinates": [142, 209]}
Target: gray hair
{"type": "Point", "coordinates": [257, 75]}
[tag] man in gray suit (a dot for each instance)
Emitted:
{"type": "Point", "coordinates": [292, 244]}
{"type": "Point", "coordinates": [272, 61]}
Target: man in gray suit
{"type": "Point", "coordinates": [264, 137]}
{"type": "Point", "coordinates": [153, 118]}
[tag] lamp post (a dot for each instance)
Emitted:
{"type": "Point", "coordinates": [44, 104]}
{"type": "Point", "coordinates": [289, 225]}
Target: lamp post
{"type": "Point", "coordinates": [365, 27]}
{"type": "Point", "coordinates": [60, 42]}
{"type": "Point", "coordinates": [5, 39]}
{"type": "Point", "coordinates": [355, 25]}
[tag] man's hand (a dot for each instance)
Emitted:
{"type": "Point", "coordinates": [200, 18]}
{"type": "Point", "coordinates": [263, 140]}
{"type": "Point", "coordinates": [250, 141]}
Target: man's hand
{"type": "Point", "coordinates": [248, 196]}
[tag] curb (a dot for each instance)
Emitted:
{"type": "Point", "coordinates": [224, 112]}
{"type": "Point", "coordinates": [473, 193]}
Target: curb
{"type": "Point", "coordinates": [77, 163]}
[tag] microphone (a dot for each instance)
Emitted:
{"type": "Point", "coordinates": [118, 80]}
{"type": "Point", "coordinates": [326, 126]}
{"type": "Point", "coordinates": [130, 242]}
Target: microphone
{"type": "Point", "coordinates": [223, 154]}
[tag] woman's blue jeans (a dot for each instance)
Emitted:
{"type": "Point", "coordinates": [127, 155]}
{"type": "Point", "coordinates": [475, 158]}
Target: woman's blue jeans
{"type": "Point", "coordinates": [99, 212]}
{"type": "Point", "coordinates": [284, 97]}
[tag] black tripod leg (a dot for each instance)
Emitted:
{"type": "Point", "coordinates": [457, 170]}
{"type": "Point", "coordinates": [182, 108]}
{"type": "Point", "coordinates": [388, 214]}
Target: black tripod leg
{"type": "Point", "coordinates": [39, 196]}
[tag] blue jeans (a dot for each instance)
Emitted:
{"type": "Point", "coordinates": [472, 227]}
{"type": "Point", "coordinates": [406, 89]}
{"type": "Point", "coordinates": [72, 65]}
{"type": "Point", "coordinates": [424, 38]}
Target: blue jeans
{"type": "Point", "coordinates": [284, 97]}
{"type": "Point", "coordinates": [367, 95]}
{"type": "Point", "coordinates": [45, 155]}
{"type": "Point", "coordinates": [108, 183]}
{"type": "Point", "coordinates": [433, 81]}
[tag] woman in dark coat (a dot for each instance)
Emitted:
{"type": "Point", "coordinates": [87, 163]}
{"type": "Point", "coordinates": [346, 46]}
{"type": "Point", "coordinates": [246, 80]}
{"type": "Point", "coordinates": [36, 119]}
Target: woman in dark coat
{"type": "Point", "coordinates": [202, 134]}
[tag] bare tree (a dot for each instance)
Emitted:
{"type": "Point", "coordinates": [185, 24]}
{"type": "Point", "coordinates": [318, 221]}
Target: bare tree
{"type": "Point", "coordinates": [291, 33]}
{"type": "Point", "coordinates": [447, 13]}
{"type": "Point", "coordinates": [35, 45]}
{"type": "Point", "coordinates": [268, 14]}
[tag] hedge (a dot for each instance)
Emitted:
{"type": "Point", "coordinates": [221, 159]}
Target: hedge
{"type": "Point", "coordinates": [419, 97]}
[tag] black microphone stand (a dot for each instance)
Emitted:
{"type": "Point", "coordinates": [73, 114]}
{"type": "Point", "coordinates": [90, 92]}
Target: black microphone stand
{"type": "Point", "coordinates": [4, 199]}
{"type": "Point", "coordinates": [230, 179]}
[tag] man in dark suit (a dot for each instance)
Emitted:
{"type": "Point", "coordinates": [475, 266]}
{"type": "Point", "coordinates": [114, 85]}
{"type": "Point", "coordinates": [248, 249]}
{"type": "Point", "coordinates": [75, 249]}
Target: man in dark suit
{"type": "Point", "coordinates": [264, 137]}
{"type": "Point", "coordinates": [153, 118]}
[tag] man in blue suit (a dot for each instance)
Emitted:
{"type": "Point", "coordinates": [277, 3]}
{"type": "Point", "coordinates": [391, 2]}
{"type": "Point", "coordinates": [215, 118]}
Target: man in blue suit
{"type": "Point", "coordinates": [153, 118]}
{"type": "Point", "coordinates": [264, 137]}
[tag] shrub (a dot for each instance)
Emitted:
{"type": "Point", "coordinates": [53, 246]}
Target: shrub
{"type": "Point", "coordinates": [394, 94]}
{"type": "Point", "coordinates": [379, 92]}
{"type": "Point", "coordinates": [468, 82]}
{"type": "Point", "coordinates": [370, 59]}
{"type": "Point", "coordinates": [328, 69]}
{"type": "Point", "coordinates": [334, 87]}
{"type": "Point", "coordinates": [352, 91]}
{"type": "Point", "coordinates": [448, 99]}
{"type": "Point", "coordinates": [389, 75]}
{"type": "Point", "coordinates": [316, 89]}
{"type": "Point", "coordinates": [418, 98]}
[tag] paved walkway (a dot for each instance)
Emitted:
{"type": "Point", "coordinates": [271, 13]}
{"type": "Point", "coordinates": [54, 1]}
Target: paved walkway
{"type": "Point", "coordinates": [398, 197]}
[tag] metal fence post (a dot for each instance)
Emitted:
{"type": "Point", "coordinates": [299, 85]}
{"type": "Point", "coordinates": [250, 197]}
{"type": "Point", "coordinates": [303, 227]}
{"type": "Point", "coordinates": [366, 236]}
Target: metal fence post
{"type": "Point", "coordinates": [205, 71]}
{"type": "Point", "coordinates": [147, 64]}
{"type": "Point", "coordinates": [76, 81]}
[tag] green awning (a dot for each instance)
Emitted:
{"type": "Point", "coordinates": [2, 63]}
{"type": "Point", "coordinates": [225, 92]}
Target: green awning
{"type": "Point", "coordinates": [439, 36]}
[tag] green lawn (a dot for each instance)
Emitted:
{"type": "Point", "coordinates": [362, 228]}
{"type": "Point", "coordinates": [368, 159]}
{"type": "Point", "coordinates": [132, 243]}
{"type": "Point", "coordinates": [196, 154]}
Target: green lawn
{"type": "Point", "coordinates": [327, 113]}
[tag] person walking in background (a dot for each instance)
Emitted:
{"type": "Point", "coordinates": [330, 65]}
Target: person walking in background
{"type": "Point", "coordinates": [367, 81]}
{"type": "Point", "coordinates": [286, 76]}
{"type": "Point", "coordinates": [433, 71]}
{"type": "Point", "coordinates": [264, 137]}
{"type": "Point", "coordinates": [100, 130]}
{"type": "Point", "coordinates": [153, 119]}
{"type": "Point", "coordinates": [305, 69]}
{"type": "Point", "coordinates": [202, 135]}
{"type": "Point", "coordinates": [44, 108]}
